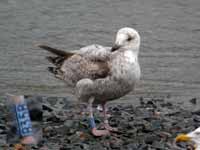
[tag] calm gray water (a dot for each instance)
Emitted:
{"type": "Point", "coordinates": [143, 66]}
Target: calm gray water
{"type": "Point", "coordinates": [169, 54]}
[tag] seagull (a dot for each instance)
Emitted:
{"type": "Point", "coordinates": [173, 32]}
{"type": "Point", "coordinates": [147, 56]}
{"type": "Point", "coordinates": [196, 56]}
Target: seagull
{"type": "Point", "coordinates": [192, 136]}
{"type": "Point", "coordinates": [99, 74]}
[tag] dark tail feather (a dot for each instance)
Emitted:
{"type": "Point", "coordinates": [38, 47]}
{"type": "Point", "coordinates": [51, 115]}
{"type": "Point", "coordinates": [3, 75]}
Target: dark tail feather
{"type": "Point", "coordinates": [56, 51]}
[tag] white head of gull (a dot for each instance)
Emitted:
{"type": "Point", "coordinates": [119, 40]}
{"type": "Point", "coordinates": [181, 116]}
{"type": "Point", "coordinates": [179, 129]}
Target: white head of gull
{"type": "Point", "coordinates": [192, 136]}
{"type": "Point", "coordinates": [99, 74]}
{"type": "Point", "coordinates": [127, 38]}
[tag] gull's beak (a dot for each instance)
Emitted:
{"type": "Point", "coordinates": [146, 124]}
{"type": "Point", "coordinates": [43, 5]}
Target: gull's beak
{"type": "Point", "coordinates": [182, 138]}
{"type": "Point", "coordinates": [115, 47]}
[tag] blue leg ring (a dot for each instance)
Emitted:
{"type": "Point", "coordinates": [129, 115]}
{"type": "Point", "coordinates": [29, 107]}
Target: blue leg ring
{"type": "Point", "coordinates": [92, 122]}
{"type": "Point", "coordinates": [24, 126]}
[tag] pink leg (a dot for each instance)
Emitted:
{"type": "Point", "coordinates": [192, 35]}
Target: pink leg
{"type": "Point", "coordinates": [94, 130]}
{"type": "Point", "coordinates": [106, 124]}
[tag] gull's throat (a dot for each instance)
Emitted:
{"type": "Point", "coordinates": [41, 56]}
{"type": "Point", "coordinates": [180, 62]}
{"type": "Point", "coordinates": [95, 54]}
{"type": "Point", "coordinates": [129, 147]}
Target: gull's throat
{"type": "Point", "coordinates": [130, 57]}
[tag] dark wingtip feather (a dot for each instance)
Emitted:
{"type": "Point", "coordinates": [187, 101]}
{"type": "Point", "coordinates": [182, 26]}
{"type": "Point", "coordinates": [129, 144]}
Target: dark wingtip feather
{"type": "Point", "coordinates": [58, 73]}
{"type": "Point", "coordinates": [50, 59]}
{"type": "Point", "coordinates": [52, 70]}
{"type": "Point", "coordinates": [57, 61]}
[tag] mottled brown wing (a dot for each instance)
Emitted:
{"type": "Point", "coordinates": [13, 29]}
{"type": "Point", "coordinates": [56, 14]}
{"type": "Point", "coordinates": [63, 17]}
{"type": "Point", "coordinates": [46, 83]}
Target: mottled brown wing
{"type": "Point", "coordinates": [90, 62]}
{"type": "Point", "coordinates": [96, 69]}
{"type": "Point", "coordinates": [78, 67]}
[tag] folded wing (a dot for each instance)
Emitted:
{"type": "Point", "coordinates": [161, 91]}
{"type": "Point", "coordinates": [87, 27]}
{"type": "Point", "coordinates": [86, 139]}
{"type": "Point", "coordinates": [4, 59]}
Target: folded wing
{"type": "Point", "coordinates": [89, 62]}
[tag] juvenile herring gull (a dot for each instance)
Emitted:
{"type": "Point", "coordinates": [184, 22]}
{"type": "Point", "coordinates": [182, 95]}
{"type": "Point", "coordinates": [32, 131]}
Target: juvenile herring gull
{"type": "Point", "coordinates": [100, 74]}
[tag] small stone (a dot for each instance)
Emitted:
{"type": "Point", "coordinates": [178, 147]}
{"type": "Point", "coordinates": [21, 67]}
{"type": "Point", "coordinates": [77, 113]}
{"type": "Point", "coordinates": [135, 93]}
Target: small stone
{"type": "Point", "coordinates": [164, 135]}
{"type": "Point", "coordinates": [84, 146]}
{"type": "Point", "coordinates": [116, 143]}
{"type": "Point", "coordinates": [182, 144]}
{"type": "Point", "coordinates": [167, 104]}
{"type": "Point", "coordinates": [19, 147]}
{"type": "Point", "coordinates": [53, 118]}
{"type": "Point", "coordinates": [149, 139]}
{"type": "Point", "coordinates": [133, 146]}
{"type": "Point", "coordinates": [3, 127]}
{"type": "Point", "coordinates": [2, 139]}
{"type": "Point", "coordinates": [36, 114]}
{"type": "Point", "coordinates": [83, 136]}
{"type": "Point", "coordinates": [52, 100]}
{"type": "Point", "coordinates": [197, 112]}
{"type": "Point", "coordinates": [46, 107]}
{"type": "Point", "coordinates": [141, 99]}
{"type": "Point", "coordinates": [69, 123]}
{"type": "Point", "coordinates": [196, 118]}
{"type": "Point", "coordinates": [158, 145]}
{"type": "Point", "coordinates": [193, 101]}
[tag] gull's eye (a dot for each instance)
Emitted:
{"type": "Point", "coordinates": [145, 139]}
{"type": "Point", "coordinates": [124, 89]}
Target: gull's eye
{"type": "Point", "coordinates": [129, 38]}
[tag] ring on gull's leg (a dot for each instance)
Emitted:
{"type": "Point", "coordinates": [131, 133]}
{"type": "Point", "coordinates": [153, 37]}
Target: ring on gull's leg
{"type": "Point", "coordinates": [24, 125]}
{"type": "Point", "coordinates": [22, 119]}
{"type": "Point", "coordinates": [92, 124]}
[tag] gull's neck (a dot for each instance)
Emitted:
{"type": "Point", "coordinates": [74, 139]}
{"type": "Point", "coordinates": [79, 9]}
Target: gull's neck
{"type": "Point", "coordinates": [131, 56]}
